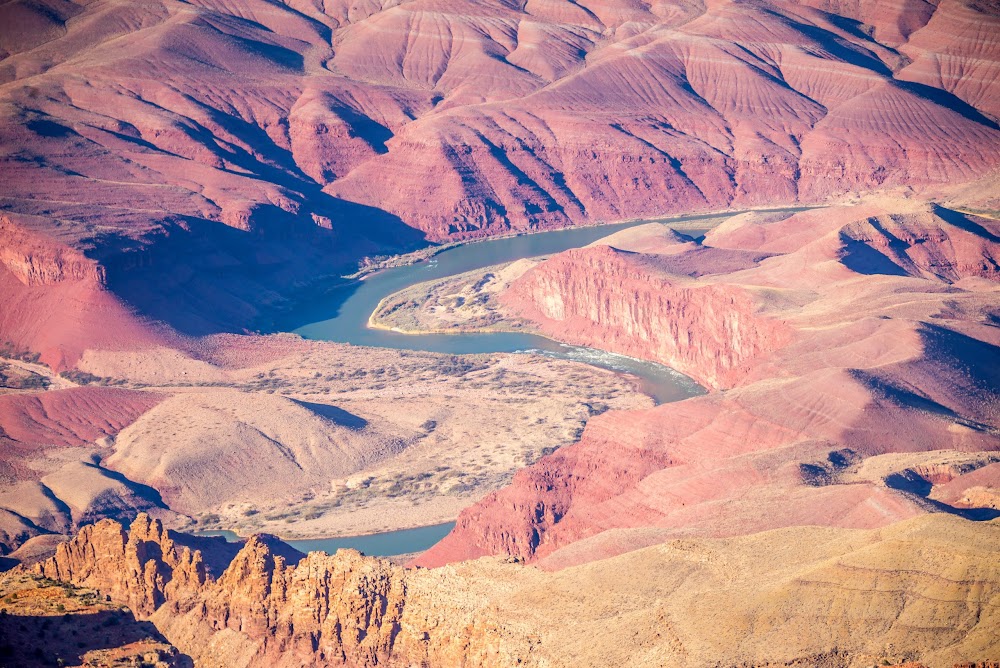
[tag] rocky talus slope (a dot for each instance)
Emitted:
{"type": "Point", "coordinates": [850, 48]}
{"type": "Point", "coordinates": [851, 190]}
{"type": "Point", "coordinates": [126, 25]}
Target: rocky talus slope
{"type": "Point", "coordinates": [835, 339]}
{"type": "Point", "coordinates": [925, 589]}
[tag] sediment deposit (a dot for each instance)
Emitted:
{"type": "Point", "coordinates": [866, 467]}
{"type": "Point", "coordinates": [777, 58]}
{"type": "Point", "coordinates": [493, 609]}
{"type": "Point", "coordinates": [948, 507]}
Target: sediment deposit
{"type": "Point", "coordinates": [177, 176]}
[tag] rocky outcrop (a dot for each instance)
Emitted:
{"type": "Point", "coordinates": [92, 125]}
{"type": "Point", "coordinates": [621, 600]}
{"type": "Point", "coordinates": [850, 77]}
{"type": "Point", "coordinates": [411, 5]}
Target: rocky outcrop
{"type": "Point", "coordinates": [36, 260]}
{"type": "Point", "coordinates": [863, 333]}
{"type": "Point", "coordinates": [759, 594]}
{"type": "Point", "coordinates": [139, 568]}
{"type": "Point", "coordinates": [341, 610]}
{"type": "Point", "coordinates": [53, 298]}
{"type": "Point", "coordinates": [322, 610]}
{"type": "Point", "coordinates": [616, 300]}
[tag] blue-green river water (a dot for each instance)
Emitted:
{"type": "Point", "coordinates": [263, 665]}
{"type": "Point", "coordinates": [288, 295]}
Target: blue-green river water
{"type": "Point", "coordinates": [342, 315]}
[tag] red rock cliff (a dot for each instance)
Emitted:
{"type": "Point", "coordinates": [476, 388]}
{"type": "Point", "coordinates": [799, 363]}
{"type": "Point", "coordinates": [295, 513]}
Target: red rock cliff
{"type": "Point", "coordinates": [865, 334]}
{"type": "Point", "coordinates": [614, 300]}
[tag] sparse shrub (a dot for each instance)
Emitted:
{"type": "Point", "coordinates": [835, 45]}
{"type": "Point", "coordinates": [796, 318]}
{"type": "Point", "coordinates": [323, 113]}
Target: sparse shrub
{"type": "Point", "coordinates": [83, 377]}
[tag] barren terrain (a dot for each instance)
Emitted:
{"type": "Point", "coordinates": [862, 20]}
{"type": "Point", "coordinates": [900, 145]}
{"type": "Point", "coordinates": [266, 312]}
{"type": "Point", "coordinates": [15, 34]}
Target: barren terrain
{"type": "Point", "coordinates": [179, 180]}
{"type": "Point", "coordinates": [830, 336]}
{"type": "Point", "coordinates": [196, 164]}
{"type": "Point", "coordinates": [782, 597]}
{"type": "Point", "coordinates": [301, 439]}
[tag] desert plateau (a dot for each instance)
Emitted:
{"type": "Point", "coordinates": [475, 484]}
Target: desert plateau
{"type": "Point", "coordinates": [455, 334]}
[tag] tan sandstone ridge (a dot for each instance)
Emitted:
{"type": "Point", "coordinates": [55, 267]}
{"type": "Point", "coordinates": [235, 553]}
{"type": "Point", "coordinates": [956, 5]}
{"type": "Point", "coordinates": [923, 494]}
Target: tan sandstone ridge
{"type": "Point", "coordinates": [788, 597]}
{"type": "Point", "coordinates": [173, 170]}
{"type": "Point", "coordinates": [834, 337]}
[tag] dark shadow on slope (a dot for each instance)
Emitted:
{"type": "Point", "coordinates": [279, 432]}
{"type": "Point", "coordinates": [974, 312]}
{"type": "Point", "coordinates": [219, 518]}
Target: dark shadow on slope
{"type": "Point", "coordinates": [963, 222]}
{"type": "Point", "coordinates": [522, 178]}
{"type": "Point", "coordinates": [144, 492]}
{"type": "Point", "coordinates": [915, 484]}
{"type": "Point", "coordinates": [375, 134]}
{"type": "Point", "coordinates": [203, 277]}
{"type": "Point", "coordinates": [979, 361]}
{"type": "Point", "coordinates": [281, 549]}
{"type": "Point", "coordinates": [216, 552]}
{"type": "Point", "coordinates": [943, 98]}
{"type": "Point", "coordinates": [837, 47]}
{"type": "Point", "coordinates": [47, 128]}
{"type": "Point", "coordinates": [861, 258]}
{"type": "Point", "coordinates": [65, 524]}
{"type": "Point", "coordinates": [273, 53]}
{"type": "Point", "coordinates": [901, 397]}
{"type": "Point", "coordinates": [908, 481]}
{"type": "Point", "coordinates": [907, 398]}
{"type": "Point", "coordinates": [39, 640]}
{"type": "Point", "coordinates": [336, 415]}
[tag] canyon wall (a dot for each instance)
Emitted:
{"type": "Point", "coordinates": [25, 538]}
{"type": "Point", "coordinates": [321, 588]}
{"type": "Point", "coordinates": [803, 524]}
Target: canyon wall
{"type": "Point", "coordinates": [854, 335]}
{"type": "Point", "coordinates": [714, 334]}
{"type": "Point", "coordinates": [268, 609]}
{"type": "Point", "coordinates": [156, 146]}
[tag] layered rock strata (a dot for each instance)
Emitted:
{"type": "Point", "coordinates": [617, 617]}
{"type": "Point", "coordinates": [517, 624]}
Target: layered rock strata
{"type": "Point", "coordinates": [856, 333]}
{"type": "Point", "coordinates": [796, 596]}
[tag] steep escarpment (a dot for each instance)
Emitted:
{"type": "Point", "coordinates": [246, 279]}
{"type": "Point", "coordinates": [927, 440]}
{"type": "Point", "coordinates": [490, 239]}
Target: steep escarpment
{"type": "Point", "coordinates": [35, 260]}
{"type": "Point", "coordinates": [55, 299]}
{"type": "Point", "coordinates": [347, 609]}
{"type": "Point", "coordinates": [712, 333]}
{"type": "Point", "coordinates": [885, 345]}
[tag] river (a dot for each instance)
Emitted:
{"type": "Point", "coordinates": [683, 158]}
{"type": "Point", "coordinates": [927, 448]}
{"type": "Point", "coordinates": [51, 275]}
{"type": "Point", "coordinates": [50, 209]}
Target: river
{"type": "Point", "coordinates": [343, 312]}
{"type": "Point", "coordinates": [387, 544]}
{"type": "Point", "coordinates": [342, 315]}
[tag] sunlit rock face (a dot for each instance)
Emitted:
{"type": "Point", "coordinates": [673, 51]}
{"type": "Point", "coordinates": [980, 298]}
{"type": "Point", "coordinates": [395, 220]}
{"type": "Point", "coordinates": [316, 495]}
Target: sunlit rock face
{"type": "Point", "coordinates": [262, 606]}
{"type": "Point", "coordinates": [837, 338]}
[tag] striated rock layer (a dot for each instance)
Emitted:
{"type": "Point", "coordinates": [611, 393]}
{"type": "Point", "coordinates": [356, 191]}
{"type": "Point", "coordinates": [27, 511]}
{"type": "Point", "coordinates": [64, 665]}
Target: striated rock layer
{"type": "Point", "coordinates": [801, 596]}
{"type": "Point", "coordinates": [852, 335]}
{"type": "Point", "coordinates": [159, 150]}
